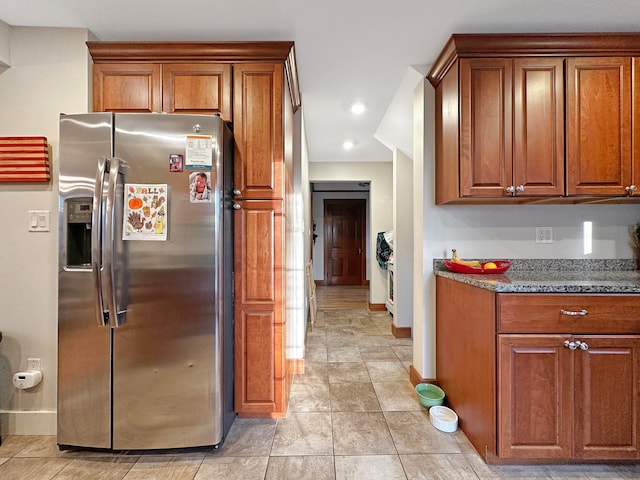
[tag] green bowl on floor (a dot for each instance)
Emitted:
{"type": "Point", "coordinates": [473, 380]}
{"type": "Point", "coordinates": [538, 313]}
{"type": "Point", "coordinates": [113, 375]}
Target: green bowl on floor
{"type": "Point", "coordinates": [429, 395]}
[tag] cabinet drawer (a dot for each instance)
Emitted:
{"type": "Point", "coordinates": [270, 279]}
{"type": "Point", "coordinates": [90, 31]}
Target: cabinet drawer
{"type": "Point", "coordinates": [566, 313]}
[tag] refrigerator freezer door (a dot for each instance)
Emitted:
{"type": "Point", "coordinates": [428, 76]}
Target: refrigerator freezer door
{"type": "Point", "coordinates": [166, 363]}
{"type": "Point", "coordinates": [84, 365]}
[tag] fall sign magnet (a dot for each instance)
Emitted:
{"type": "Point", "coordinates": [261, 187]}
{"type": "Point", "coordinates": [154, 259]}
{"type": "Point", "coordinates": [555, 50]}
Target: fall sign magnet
{"type": "Point", "coordinates": [145, 212]}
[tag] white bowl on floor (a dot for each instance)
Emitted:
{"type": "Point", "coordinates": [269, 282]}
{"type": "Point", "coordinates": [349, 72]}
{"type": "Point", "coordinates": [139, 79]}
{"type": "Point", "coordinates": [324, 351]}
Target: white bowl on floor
{"type": "Point", "coordinates": [443, 418]}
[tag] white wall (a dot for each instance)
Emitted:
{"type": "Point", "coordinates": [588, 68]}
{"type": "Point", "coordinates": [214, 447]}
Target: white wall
{"type": "Point", "coordinates": [497, 232]}
{"type": "Point", "coordinates": [296, 302]}
{"type": "Point", "coordinates": [5, 45]}
{"type": "Point", "coordinates": [403, 238]}
{"type": "Point", "coordinates": [49, 74]}
{"type": "Point", "coordinates": [380, 174]}
{"type": "Point", "coordinates": [306, 189]}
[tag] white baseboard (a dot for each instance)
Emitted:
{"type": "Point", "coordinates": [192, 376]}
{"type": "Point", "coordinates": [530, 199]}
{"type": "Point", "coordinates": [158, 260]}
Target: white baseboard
{"type": "Point", "coordinates": [39, 422]}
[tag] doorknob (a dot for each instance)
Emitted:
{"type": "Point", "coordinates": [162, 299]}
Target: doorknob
{"type": "Point", "coordinates": [359, 251]}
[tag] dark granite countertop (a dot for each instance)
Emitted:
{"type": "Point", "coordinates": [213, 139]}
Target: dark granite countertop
{"type": "Point", "coordinates": [611, 276]}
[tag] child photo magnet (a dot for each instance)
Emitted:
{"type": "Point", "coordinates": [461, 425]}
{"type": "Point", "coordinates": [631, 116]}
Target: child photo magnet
{"type": "Point", "coordinates": [200, 187]}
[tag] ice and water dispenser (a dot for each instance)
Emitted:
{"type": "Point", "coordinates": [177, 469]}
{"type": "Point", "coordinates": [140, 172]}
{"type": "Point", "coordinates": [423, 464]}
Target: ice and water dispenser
{"type": "Point", "coordinates": [78, 234]}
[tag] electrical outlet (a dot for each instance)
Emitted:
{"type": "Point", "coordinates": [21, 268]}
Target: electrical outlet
{"type": "Point", "coordinates": [544, 235]}
{"type": "Point", "coordinates": [33, 364]}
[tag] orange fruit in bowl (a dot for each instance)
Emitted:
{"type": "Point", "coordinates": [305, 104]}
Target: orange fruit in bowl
{"type": "Point", "coordinates": [489, 266]}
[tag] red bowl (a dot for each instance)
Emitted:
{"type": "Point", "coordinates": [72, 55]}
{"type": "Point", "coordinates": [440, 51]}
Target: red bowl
{"type": "Point", "coordinates": [503, 266]}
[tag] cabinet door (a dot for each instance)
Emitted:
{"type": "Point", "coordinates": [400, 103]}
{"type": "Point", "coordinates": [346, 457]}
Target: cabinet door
{"type": "Point", "coordinates": [534, 396]}
{"type": "Point", "coordinates": [131, 87]}
{"type": "Point", "coordinates": [485, 127]}
{"type": "Point", "coordinates": [258, 130]}
{"type": "Point", "coordinates": [197, 88]}
{"type": "Point", "coordinates": [538, 126]}
{"type": "Point", "coordinates": [260, 381]}
{"type": "Point", "coordinates": [634, 189]}
{"type": "Point", "coordinates": [607, 394]}
{"type": "Point", "coordinates": [598, 125]}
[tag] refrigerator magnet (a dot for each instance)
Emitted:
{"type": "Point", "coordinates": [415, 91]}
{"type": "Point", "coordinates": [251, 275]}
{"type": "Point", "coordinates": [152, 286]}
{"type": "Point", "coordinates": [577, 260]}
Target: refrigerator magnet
{"type": "Point", "coordinates": [145, 212]}
{"type": "Point", "coordinates": [200, 187]}
{"type": "Point", "coordinates": [175, 162]}
{"type": "Point", "coordinates": [199, 152]}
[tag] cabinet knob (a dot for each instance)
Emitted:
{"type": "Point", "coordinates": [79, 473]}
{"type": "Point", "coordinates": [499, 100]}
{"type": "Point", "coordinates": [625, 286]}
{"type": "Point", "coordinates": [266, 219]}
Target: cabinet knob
{"type": "Point", "coordinates": [582, 345]}
{"type": "Point", "coordinates": [236, 192]}
{"type": "Point", "coordinates": [236, 206]}
{"type": "Point", "coordinates": [575, 345]}
{"type": "Point", "coordinates": [631, 188]}
{"type": "Point", "coordinates": [510, 189]}
{"type": "Point", "coordinates": [581, 313]}
{"type": "Point", "coordinates": [520, 188]}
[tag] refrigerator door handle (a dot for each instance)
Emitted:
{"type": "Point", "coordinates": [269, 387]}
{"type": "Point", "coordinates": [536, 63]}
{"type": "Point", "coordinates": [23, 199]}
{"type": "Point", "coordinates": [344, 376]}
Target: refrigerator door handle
{"type": "Point", "coordinates": [108, 251]}
{"type": "Point", "coordinates": [96, 241]}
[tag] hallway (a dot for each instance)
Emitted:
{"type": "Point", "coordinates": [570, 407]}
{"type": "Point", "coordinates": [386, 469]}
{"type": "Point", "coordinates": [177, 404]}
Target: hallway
{"type": "Point", "coordinates": [352, 415]}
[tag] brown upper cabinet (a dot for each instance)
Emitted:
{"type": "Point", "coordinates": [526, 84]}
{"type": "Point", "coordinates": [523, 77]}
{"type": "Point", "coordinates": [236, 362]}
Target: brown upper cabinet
{"type": "Point", "coordinates": [512, 138]}
{"type": "Point", "coordinates": [129, 87]}
{"type": "Point", "coordinates": [258, 131]}
{"type": "Point", "coordinates": [197, 88]}
{"type": "Point", "coordinates": [598, 125]}
{"type": "Point", "coordinates": [537, 118]}
{"type": "Point", "coordinates": [169, 88]}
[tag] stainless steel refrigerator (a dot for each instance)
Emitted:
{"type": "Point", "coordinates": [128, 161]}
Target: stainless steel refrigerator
{"type": "Point", "coordinates": [145, 307]}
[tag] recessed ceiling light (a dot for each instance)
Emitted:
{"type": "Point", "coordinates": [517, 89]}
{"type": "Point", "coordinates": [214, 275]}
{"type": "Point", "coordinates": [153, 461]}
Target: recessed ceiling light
{"type": "Point", "coordinates": [357, 107]}
{"type": "Point", "coordinates": [348, 144]}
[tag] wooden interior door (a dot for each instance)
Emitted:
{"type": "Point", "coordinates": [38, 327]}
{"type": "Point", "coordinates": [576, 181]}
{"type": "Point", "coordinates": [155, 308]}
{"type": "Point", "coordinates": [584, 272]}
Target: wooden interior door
{"type": "Point", "coordinates": [344, 234]}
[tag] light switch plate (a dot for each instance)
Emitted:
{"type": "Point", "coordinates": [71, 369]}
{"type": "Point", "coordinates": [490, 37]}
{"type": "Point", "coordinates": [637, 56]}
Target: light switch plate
{"type": "Point", "coordinates": [38, 220]}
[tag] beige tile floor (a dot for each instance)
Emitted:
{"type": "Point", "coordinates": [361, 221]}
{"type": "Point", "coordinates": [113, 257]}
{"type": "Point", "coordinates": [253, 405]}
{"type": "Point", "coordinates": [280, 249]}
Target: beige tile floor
{"type": "Point", "coordinates": [352, 415]}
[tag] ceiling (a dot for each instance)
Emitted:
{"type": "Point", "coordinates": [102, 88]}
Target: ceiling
{"type": "Point", "coordinates": [372, 50]}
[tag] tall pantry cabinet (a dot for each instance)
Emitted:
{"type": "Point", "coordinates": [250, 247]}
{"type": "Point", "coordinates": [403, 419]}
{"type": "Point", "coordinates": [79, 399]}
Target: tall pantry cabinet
{"type": "Point", "coordinates": [254, 85]}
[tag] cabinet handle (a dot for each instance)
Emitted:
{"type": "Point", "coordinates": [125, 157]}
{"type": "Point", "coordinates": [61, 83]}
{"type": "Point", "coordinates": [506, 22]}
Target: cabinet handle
{"type": "Point", "coordinates": [631, 188]}
{"type": "Point", "coordinates": [237, 192]}
{"type": "Point", "coordinates": [520, 188]}
{"type": "Point", "coordinates": [581, 313]}
{"type": "Point", "coordinates": [236, 206]}
{"type": "Point", "coordinates": [510, 189]}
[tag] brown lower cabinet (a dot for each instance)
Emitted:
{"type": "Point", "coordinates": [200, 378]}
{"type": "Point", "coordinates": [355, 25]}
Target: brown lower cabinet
{"type": "Point", "coordinates": [261, 387]}
{"type": "Point", "coordinates": [533, 379]}
{"type": "Point", "coordinates": [555, 402]}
